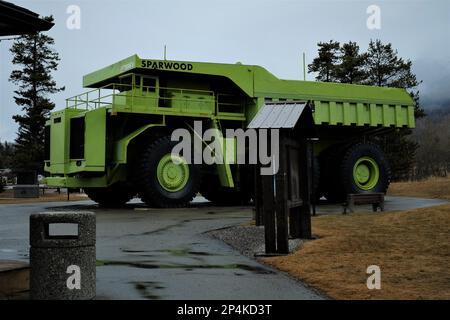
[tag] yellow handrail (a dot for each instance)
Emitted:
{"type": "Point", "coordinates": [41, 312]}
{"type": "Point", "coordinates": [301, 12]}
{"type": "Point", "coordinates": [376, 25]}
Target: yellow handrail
{"type": "Point", "coordinates": [84, 98]}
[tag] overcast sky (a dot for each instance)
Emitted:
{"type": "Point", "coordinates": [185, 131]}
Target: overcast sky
{"type": "Point", "coordinates": [272, 34]}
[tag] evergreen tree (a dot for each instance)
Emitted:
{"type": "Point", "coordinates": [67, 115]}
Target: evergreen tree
{"type": "Point", "coordinates": [325, 63]}
{"type": "Point", "coordinates": [6, 160]}
{"type": "Point", "coordinates": [36, 60]}
{"type": "Point", "coordinates": [6, 155]}
{"type": "Point", "coordinates": [386, 69]}
{"type": "Point", "coordinates": [2, 156]}
{"type": "Point", "coordinates": [351, 68]}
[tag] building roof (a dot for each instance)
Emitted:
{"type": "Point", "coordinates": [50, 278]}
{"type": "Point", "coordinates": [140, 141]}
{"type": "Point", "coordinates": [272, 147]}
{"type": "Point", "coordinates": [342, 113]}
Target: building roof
{"type": "Point", "coordinates": [15, 20]}
{"type": "Point", "coordinates": [278, 115]}
{"type": "Point", "coordinates": [286, 115]}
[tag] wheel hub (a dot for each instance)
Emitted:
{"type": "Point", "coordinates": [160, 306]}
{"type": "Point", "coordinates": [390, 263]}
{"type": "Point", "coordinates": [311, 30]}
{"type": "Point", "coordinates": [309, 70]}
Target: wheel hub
{"type": "Point", "coordinates": [362, 173]}
{"type": "Point", "coordinates": [366, 173]}
{"type": "Point", "coordinates": [172, 176]}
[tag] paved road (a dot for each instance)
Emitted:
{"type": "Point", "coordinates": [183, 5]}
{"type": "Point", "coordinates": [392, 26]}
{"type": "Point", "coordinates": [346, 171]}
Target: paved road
{"type": "Point", "coordinates": [165, 254]}
{"type": "Point", "coordinates": [391, 204]}
{"type": "Point", "coordinates": [162, 254]}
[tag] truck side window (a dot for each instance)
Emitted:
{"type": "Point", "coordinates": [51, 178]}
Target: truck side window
{"type": "Point", "coordinates": [125, 83]}
{"type": "Point", "coordinates": [149, 84]}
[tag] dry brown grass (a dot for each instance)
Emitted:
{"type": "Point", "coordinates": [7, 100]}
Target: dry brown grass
{"type": "Point", "coordinates": [412, 249]}
{"type": "Point", "coordinates": [6, 197]}
{"type": "Point", "coordinates": [438, 188]}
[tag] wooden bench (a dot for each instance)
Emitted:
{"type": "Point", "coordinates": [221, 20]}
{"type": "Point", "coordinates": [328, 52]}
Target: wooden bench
{"type": "Point", "coordinates": [43, 188]}
{"type": "Point", "coordinates": [375, 199]}
{"type": "Point", "coordinates": [14, 279]}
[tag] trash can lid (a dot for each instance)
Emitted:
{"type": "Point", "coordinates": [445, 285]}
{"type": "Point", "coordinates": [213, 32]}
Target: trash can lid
{"type": "Point", "coordinates": [62, 229]}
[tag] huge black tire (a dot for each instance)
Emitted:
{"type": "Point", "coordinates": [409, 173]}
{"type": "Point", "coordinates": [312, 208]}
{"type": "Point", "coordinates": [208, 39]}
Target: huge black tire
{"type": "Point", "coordinates": [223, 196]}
{"type": "Point", "coordinates": [116, 195]}
{"type": "Point", "coordinates": [365, 156]}
{"type": "Point", "coordinates": [154, 183]}
{"type": "Point", "coordinates": [360, 168]}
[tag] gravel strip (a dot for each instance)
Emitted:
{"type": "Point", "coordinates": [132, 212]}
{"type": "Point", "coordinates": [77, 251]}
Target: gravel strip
{"type": "Point", "coordinates": [248, 240]}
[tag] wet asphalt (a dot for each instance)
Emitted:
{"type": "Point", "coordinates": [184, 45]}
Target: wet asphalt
{"type": "Point", "coordinates": [146, 253]}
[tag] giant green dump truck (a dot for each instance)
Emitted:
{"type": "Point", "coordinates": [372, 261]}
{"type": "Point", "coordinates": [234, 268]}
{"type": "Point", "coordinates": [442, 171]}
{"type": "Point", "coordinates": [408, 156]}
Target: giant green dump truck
{"type": "Point", "coordinates": [114, 140]}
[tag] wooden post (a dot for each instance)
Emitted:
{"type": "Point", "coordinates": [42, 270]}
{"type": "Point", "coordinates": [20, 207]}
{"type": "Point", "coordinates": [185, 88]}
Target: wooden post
{"type": "Point", "coordinates": [313, 182]}
{"type": "Point", "coordinates": [305, 189]}
{"type": "Point", "coordinates": [269, 213]}
{"type": "Point", "coordinates": [294, 196]}
{"type": "Point", "coordinates": [294, 222]}
{"type": "Point", "coordinates": [259, 213]}
{"type": "Point", "coordinates": [282, 200]}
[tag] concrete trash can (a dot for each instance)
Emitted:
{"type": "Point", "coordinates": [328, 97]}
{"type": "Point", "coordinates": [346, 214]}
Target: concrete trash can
{"type": "Point", "coordinates": [26, 191]}
{"type": "Point", "coordinates": [62, 256]}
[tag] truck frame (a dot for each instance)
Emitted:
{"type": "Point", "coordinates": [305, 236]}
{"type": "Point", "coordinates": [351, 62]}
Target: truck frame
{"type": "Point", "coordinates": [113, 141]}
